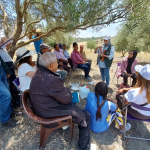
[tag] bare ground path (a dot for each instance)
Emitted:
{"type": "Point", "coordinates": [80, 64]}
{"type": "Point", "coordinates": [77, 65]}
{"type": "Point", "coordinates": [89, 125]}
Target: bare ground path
{"type": "Point", "coordinates": [26, 136]}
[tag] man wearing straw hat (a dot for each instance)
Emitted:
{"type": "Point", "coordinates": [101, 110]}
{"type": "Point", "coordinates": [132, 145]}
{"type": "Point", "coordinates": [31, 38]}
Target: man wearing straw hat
{"type": "Point", "coordinates": [36, 43]}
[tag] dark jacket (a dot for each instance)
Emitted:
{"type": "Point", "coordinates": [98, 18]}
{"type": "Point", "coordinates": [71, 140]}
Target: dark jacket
{"type": "Point", "coordinates": [4, 65]}
{"type": "Point", "coordinates": [50, 98]}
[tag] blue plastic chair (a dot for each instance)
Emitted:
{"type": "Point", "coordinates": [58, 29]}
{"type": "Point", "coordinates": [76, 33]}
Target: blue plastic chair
{"type": "Point", "coordinates": [129, 117]}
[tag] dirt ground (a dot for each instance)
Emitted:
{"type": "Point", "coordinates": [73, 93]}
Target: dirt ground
{"type": "Point", "coordinates": [26, 136]}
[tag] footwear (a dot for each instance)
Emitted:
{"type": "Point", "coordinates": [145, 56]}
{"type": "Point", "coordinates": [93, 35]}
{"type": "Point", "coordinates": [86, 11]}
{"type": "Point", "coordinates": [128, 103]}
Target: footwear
{"type": "Point", "coordinates": [10, 123]}
{"type": "Point", "coordinates": [128, 127]}
{"type": "Point", "coordinates": [108, 86]}
{"type": "Point", "coordinates": [88, 78]}
{"type": "Point", "coordinates": [16, 113]}
{"type": "Point", "coordinates": [92, 147]}
{"type": "Point", "coordinates": [65, 127]}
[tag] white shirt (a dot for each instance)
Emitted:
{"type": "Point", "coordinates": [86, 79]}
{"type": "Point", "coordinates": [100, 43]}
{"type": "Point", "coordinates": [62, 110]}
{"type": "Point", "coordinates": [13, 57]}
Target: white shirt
{"type": "Point", "coordinates": [5, 56]}
{"type": "Point", "coordinates": [23, 78]}
{"type": "Point", "coordinates": [134, 96]}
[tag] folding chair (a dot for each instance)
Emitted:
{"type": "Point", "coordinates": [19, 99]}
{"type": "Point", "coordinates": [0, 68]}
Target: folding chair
{"type": "Point", "coordinates": [129, 117]}
{"type": "Point", "coordinates": [16, 82]}
{"type": "Point", "coordinates": [118, 65]}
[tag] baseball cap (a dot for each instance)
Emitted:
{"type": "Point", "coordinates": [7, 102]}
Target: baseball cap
{"type": "Point", "coordinates": [144, 71]}
{"type": "Point", "coordinates": [81, 46]}
{"type": "Point", "coordinates": [43, 46]}
{"type": "Point", "coordinates": [107, 37]}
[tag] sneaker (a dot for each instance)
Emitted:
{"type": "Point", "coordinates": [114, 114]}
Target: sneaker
{"type": "Point", "coordinates": [108, 86]}
{"type": "Point", "coordinates": [128, 127]}
{"type": "Point", "coordinates": [10, 123]}
{"type": "Point", "coordinates": [88, 78]}
{"type": "Point", "coordinates": [92, 147]}
{"type": "Point", "coordinates": [65, 127]}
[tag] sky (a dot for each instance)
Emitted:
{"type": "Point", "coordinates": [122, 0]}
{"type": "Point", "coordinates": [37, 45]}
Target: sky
{"type": "Point", "coordinates": [109, 30]}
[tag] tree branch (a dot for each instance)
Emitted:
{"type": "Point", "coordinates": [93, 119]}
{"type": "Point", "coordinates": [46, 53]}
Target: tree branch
{"type": "Point", "coordinates": [5, 21]}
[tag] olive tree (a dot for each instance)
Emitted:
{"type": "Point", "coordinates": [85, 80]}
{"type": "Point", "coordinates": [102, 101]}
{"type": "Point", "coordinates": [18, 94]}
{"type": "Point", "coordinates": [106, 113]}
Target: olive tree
{"type": "Point", "coordinates": [19, 17]}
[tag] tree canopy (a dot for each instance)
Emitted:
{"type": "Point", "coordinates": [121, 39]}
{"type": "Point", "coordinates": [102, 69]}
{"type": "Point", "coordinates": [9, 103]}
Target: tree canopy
{"type": "Point", "coordinates": [91, 44]}
{"type": "Point", "coordinates": [18, 17]}
{"type": "Point", "coordinates": [135, 32]}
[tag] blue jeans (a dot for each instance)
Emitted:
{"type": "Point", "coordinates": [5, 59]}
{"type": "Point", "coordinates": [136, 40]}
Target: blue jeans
{"type": "Point", "coordinates": [86, 68]}
{"type": "Point", "coordinates": [105, 74]}
{"type": "Point", "coordinates": [5, 98]}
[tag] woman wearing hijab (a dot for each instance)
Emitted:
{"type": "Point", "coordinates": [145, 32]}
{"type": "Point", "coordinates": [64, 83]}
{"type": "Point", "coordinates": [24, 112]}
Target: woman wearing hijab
{"type": "Point", "coordinates": [105, 58]}
{"type": "Point", "coordinates": [127, 68]}
{"type": "Point", "coordinates": [25, 67]}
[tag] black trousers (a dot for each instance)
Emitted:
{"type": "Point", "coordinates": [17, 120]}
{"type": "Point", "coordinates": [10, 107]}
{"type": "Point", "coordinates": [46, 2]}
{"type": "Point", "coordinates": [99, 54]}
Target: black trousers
{"type": "Point", "coordinates": [120, 102]}
{"type": "Point", "coordinates": [70, 62]}
{"type": "Point", "coordinates": [13, 90]}
{"type": "Point", "coordinates": [125, 78]}
{"type": "Point", "coordinates": [84, 132]}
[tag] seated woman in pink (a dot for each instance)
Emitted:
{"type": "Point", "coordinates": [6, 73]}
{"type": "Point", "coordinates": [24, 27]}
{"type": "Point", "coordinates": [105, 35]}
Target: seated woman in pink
{"type": "Point", "coordinates": [127, 67]}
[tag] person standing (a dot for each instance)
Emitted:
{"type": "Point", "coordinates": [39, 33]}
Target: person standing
{"type": "Point", "coordinates": [8, 60]}
{"type": "Point", "coordinates": [105, 58]}
{"type": "Point", "coordinates": [5, 96]}
{"type": "Point", "coordinates": [79, 62]}
{"type": "Point", "coordinates": [36, 43]}
{"type": "Point", "coordinates": [67, 56]}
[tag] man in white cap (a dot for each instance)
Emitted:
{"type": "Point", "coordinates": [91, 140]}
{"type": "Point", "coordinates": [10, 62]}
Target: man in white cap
{"type": "Point", "coordinates": [105, 59]}
{"type": "Point", "coordinates": [36, 43]}
{"type": "Point", "coordinates": [45, 48]}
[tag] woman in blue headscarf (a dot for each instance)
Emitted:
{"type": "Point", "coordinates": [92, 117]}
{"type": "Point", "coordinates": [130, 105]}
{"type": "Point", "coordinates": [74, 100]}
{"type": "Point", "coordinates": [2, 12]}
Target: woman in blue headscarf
{"type": "Point", "coordinates": [105, 58]}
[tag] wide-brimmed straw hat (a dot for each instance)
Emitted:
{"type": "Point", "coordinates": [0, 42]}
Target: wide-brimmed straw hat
{"type": "Point", "coordinates": [144, 71]}
{"type": "Point", "coordinates": [23, 52]}
{"type": "Point", "coordinates": [38, 31]}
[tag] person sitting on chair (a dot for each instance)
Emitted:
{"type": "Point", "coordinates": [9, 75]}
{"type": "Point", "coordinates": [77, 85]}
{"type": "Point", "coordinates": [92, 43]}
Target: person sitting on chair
{"type": "Point", "coordinates": [67, 55]}
{"type": "Point", "coordinates": [127, 68]}
{"type": "Point", "coordinates": [25, 67]}
{"type": "Point", "coordinates": [60, 56]}
{"type": "Point", "coordinates": [139, 94]}
{"type": "Point", "coordinates": [79, 62]}
{"type": "Point", "coordinates": [84, 55]}
{"type": "Point", "coordinates": [103, 111]}
{"type": "Point", "coordinates": [49, 99]}
{"type": "Point", "coordinates": [45, 48]}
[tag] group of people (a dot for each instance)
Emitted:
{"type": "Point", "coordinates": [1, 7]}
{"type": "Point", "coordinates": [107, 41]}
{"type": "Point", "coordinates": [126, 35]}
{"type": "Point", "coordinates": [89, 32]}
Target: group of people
{"type": "Point", "coordinates": [50, 98]}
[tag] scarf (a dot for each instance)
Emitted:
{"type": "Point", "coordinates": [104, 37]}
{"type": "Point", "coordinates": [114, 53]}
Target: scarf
{"type": "Point", "coordinates": [105, 46]}
{"type": "Point", "coordinates": [130, 61]}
